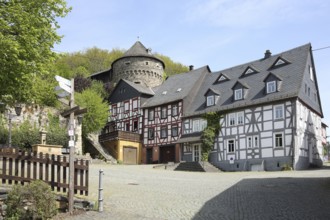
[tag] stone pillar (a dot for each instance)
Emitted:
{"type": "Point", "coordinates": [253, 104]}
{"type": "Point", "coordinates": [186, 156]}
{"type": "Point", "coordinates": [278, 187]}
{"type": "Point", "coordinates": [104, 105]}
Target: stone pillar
{"type": "Point", "coordinates": [43, 136]}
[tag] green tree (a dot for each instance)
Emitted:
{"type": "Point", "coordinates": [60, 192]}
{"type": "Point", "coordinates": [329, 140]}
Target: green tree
{"type": "Point", "coordinates": [27, 35]}
{"type": "Point", "coordinates": [87, 62]}
{"type": "Point", "coordinates": [97, 110]}
{"type": "Point", "coordinates": [210, 132]}
{"type": "Point", "coordinates": [171, 67]}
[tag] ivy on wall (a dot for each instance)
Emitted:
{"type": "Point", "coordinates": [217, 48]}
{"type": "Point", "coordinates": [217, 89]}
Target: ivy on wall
{"type": "Point", "coordinates": [210, 132]}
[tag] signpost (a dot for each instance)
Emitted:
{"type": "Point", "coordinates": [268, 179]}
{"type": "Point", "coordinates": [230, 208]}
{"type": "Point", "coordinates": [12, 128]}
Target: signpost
{"type": "Point", "coordinates": [66, 88]}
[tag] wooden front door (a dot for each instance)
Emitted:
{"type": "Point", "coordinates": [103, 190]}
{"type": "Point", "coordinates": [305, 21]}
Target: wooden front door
{"type": "Point", "coordinates": [130, 155]}
{"type": "Point", "coordinates": [167, 154]}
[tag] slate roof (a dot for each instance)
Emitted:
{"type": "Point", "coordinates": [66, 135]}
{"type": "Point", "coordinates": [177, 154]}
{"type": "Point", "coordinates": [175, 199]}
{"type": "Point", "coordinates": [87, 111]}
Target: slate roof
{"type": "Point", "coordinates": [178, 87]}
{"type": "Point", "coordinates": [292, 75]}
{"type": "Point", "coordinates": [140, 88]}
{"type": "Point", "coordinates": [139, 50]}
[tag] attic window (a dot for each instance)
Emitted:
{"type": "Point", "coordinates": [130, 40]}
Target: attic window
{"type": "Point", "coordinates": [249, 71]}
{"type": "Point", "coordinates": [164, 92]}
{"type": "Point", "coordinates": [137, 82]}
{"type": "Point", "coordinates": [210, 100]}
{"type": "Point", "coordinates": [147, 63]}
{"type": "Point", "coordinates": [179, 90]}
{"type": "Point", "coordinates": [280, 62]}
{"type": "Point", "coordinates": [128, 63]}
{"type": "Point", "coordinates": [238, 94]}
{"type": "Point", "coordinates": [222, 78]}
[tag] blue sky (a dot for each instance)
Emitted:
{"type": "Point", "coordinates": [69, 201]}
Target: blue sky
{"type": "Point", "coordinates": [218, 33]}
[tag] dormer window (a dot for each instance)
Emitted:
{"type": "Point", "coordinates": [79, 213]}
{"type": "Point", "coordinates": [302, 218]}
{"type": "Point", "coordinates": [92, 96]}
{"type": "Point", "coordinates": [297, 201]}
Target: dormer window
{"type": "Point", "coordinates": [271, 86]}
{"type": "Point", "coordinates": [212, 97]}
{"type": "Point", "coordinates": [238, 94]}
{"type": "Point", "coordinates": [210, 100]}
{"type": "Point", "coordinates": [272, 83]}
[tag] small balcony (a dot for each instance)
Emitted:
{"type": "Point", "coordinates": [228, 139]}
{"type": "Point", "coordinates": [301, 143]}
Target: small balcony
{"type": "Point", "coordinates": [120, 135]}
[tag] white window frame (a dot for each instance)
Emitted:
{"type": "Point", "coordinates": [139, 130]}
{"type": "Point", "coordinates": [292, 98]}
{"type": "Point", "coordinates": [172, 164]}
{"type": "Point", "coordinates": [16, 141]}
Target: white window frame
{"type": "Point", "coordinates": [278, 135]}
{"type": "Point", "coordinates": [163, 113]}
{"type": "Point", "coordinates": [126, 107]}
{"type": "Point", "coordinates": [135, 104]}
{"type": "Point", "coordinates": [196, 125]}
{"type": "Point", "coordinates": [210, 100]}
{"type": "Point", "coordinates": [249, 141]}
{"type": "Point", "coordinates": [175, 128]}
{"type": "Point", "coordinates": [151, 133]}
{"type": "Point", "coordinates": [232, 119]}
{"type": "Point", "coordinates": [240, 118]}
{"type": "Point", "coordinates": [252, 141]}
{"type": "Point", "coordinates": [271, 87]}
{"type": "Point", "coordinates": [163, 132]}
{"type": "Point", "coordinates": [186, 126]}
{"type": "Point", "coordinates": [114, 110]}
{"type": "Point", "coordinates": [151, 114]}
{"type": "Point", "coordinates": [278, 112]}
{"type": "Point", "coordinates": [175, 109]}
{"type": "Point", "coordinates": [231, 146]}
{"type": "Point", "coordinates": [238, 94]}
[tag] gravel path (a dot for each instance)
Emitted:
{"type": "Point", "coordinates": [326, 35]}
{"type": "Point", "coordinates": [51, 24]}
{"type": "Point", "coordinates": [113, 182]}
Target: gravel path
{"type": "Point", "coordinates": [141, 192]}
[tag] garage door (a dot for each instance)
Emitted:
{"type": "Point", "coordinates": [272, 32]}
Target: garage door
{"type": "Point", "coordinates": [130, 155]}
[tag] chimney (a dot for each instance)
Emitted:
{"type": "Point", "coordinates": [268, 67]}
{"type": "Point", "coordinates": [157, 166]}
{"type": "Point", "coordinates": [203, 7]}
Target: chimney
{"type": "Point", "coordinates": [267, 54]}
{"type": "Point", "coordinates": [191, 67]}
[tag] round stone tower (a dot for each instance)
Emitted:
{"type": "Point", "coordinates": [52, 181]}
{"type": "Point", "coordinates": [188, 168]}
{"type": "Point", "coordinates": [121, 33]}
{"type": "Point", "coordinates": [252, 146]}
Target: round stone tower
{"type": "Point", "coordinates": [138, 65]}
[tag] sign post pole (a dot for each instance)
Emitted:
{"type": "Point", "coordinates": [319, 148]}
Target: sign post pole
{"type": "Point", "coordinates": [71, 151]}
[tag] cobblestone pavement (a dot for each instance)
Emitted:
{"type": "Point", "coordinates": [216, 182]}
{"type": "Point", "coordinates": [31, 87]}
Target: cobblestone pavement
{"type": "Point", "coordinates": [141, 192]}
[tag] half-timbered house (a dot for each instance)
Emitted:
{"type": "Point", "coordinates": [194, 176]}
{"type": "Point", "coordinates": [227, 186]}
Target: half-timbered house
{"type": "Point", "coordinates": [122, 134]}
{"type": "Point", "coordinates": [271, 114]}
{"type": "Point", "coordinates": [162, 115]}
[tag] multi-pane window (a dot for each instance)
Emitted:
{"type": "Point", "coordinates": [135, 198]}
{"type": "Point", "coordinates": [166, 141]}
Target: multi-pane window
{"type": "Point", "coordinates": [232, 119]}
{"type": "Point", "coordinates": [175, 110]}
{"type": "Point", "coordinates": [151, 133]}
{"type": "Point", "coordinates": [253, 142]}
{"type": "Point", "coordinates": [231, 146]}
{"type": "Point", "coordinates": [238, 94]}
{"type": "Point", "coordinates": [240, 118]}
{"type": "Point", "coordinates": [271, 86]}
{"type": "Point", "coordinates": [151, 114]}
{"type": "Point", "coordinates": [210, 100]}
{"type": "Point", "coordinates": [114, 110]}
{"type": "Point", "coordinates": [278, 140]}
{"type": "Point", "coordinates": [126, 106]}
{"type": "Point", "coordinates": [163, 132]}
{"type": "Point", "coordinates": [135, 104]}
{"type": "Point", "coordinates": [196, 126]}
{"type": "Point", "coordinates": [174, 130]}
{"type": "Point", "coordinates": [279, 112]}
{"type": "Point", "coordinates": [163, 112]}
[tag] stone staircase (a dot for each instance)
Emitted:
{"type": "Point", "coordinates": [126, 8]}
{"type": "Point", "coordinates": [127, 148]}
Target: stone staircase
{"type": "Point", "coordinates": [196, 167]}
{"type": "Point", "coordinates": [94, 140]}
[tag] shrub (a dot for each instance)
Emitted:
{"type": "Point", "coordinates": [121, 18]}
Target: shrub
{"type": "Point", "coordinates": [32, 201]}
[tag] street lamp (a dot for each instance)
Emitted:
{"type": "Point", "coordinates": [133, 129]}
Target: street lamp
{"type": "Point", "coordinates": [18, 110]}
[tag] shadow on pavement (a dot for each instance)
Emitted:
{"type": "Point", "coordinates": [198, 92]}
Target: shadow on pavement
{"type": "Point", "coordinates": [272, 198]}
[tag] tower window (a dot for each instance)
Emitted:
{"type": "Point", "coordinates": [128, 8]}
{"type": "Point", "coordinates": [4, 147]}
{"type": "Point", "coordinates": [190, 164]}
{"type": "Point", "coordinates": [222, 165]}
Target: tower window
{"type": "Point", "coordinates": [147, 63]}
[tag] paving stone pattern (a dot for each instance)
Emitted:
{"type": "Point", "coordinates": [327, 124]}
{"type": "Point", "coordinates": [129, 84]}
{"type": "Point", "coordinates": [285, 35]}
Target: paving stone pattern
{"type": "Point", "coordinates": [141, 192]}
